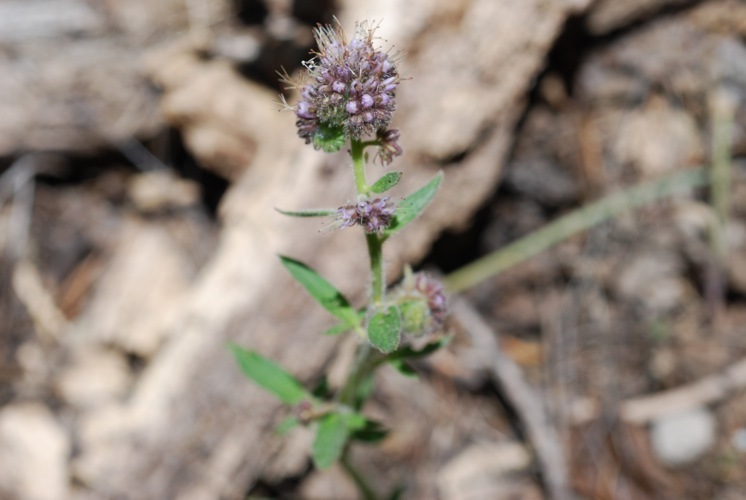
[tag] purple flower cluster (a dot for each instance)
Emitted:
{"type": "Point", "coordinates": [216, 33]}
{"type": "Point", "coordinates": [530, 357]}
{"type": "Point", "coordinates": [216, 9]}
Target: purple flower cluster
{"type": "Point", "coordinates": [350, 89]}
{"type": "Point", "coordinates": [388, 141]}
{"type": "Point", "coordinates": [373, 215]}
{"type": "Point", "coordinates": [433, 292]}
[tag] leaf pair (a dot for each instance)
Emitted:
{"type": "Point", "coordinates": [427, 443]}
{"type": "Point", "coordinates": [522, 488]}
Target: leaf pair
{"type": "Point", "coordinates": [384, 327]}
{"type": "Point", "coordinates": [406, 211]}
{"type": "Point", "coordinates": [334, 429]}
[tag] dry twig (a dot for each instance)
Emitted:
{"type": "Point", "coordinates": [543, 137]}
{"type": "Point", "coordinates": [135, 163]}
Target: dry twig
{"type": "Point", "coordinates": [524, 398]}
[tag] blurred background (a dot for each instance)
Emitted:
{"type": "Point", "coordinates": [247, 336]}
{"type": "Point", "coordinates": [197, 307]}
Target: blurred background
{"type": "Point", "coordinates": [142, 154]}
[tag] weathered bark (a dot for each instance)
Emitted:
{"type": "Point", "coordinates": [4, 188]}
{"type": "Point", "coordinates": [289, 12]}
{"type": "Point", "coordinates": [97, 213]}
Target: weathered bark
{"type": "Point", "coordinates": [72, 70]}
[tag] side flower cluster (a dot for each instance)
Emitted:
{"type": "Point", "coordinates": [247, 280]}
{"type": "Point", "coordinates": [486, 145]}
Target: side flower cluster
{"type": "Point", "coordinates": [373, 215]}
{"type": "Point", "coordinates": [349, 91]}
{"type": "Point", "coordinates": [423, 303]}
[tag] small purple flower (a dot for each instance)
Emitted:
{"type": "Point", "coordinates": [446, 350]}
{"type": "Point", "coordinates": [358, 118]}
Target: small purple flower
{"type": "Point", "coordinates": [432, 290]}
{"type": "Point", "coordinates": [373, 215]}
{"type": "Point", "coordinates": [350, 87]}
{"type": "Point", "coordinates": [388, 145]}
{"type": "Point", "coordinates": [422, 302]}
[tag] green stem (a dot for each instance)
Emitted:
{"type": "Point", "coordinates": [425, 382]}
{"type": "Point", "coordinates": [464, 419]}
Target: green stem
{"type": "Point", "coordinates": [722, 111]}
{"type": "Point", "coordinates": [362, 485]}
{"type": "Point", "coordinates": [375, 251]}
{"type": "Point", "coordinates": [579, 220]}
{"type": "Point", "coordinates": [720, 173]}
{"type": "Point", "coordinates": [358, 166]}
{"type": "Point", "coordinates": [348, 394]}
{"type": "Point", "coordinates": [366, 358]}
{"type": "Point", "coordinates": [375, 245]}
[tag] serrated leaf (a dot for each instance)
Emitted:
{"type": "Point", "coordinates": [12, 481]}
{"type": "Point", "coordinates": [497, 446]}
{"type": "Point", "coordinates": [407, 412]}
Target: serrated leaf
{"type": "Point", "coordinates": [413, 205]}
{"type": "Point", "coordinates": [270, 376]}
{"type": "Point", "coordinates": [386, 182]}
{"type": "Point", "coordinates": [320, 212]}
{"type": "Point", "coordinates": [324, 292]}
{"type": "Point", "coordinates": [331, 438]}
{"type": "Point", "coordinates": [384, 330]}
{"type": "Point", "coordinates": [287, 425]}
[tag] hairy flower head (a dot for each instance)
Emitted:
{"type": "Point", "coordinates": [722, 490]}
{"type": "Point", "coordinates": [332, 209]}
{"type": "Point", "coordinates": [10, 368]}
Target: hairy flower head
{"type": "Point", "coordinates": [373, 215]}
{"type": "Point", "coordinates": [349, 90]}
{"type": "Point", "coordinates": [423, 303]}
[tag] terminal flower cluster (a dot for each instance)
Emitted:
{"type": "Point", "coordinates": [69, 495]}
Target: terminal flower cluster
{"type": "Point", "coordinates": [349, 92]}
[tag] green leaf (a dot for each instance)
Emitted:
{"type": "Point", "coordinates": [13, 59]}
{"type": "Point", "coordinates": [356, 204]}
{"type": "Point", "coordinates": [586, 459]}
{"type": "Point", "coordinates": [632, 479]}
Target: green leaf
{"type": "Point", "coordinates": [386, 182]}
{"type": "Point", "coordinates": [337, 329]}
{"type": "Point", "coordinates": [270, 376]}
{"type": "Point", "coordinates": [354, 421]}
{"type": "Point", "coordinates": [287, 425]}
{"type": "Point", "coordinates": [372, 432]}
{"type": "Point", "coordinates": [331, 438]}
{"type": "Point", "coordinates": [321, 389]}
{"type": "Point", "coordinates": [329, 139]}
{"type": "Point", "coordinates": [325, 294]}
{"type": "Point", "coordinates": [409, 353]}
{"type": "Point", "coordinates": [344, 327]}
{"type": "Point", "coordinates": [384, 330]}
{"type": "Point", "coordinates": [404, 368]}
{"type": "Point", "coordinates": [321, 212]}
{"type": "Point", "coordinates": [364, 390]}
{"type": "Point", "coordinates": [413, 205]}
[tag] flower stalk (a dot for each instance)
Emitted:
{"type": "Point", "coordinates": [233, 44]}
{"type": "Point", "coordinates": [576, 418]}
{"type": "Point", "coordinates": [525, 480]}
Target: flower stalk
{"type": "Point", "coordinates": [348, 98]}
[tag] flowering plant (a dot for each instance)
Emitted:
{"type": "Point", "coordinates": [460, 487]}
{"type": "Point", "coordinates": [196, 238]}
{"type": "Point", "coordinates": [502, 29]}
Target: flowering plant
{"type": "Point", "coordinates": [347, 97]}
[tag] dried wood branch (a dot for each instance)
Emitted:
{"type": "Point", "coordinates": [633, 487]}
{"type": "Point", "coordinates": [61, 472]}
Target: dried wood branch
{"type": "Point", "coordinates": [524, 398]}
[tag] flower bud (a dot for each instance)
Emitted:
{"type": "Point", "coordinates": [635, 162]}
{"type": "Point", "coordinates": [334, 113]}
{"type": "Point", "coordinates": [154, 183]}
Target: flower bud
{"type": "Point", "coordinates": [415, 316]}
{"type": "Point", "coordinates": [422, 302]}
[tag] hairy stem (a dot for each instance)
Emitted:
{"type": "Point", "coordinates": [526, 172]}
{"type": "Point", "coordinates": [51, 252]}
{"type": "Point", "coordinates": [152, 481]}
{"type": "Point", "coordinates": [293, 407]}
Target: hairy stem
{"type": "Point", "coordinates": [375, 250]}
{"type": "Point", "coordinates": [362, 369]}
{"type": "Point", "coordinates": [375, 245]}
{"type": "Point", "coordinates": [366, 358]}
{"type": "Point", "coordinates": [358, 165]}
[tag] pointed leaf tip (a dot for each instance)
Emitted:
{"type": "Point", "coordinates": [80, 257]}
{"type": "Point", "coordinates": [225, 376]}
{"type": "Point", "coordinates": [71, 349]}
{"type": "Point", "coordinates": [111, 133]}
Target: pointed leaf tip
{"type": "Point", "coordinates": [270, 376]}
{"type": "Point", "coordinates": [321, 212]}
{"type": "Point", "coordinates": [324, 292]}
{"type": "Point", "coordinates": [414, 204]}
